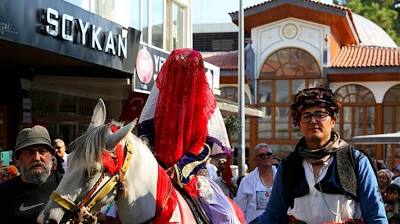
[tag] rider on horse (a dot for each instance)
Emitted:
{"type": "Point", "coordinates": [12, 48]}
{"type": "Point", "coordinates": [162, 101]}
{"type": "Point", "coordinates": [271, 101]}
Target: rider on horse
{"type": "Point", "coordinates": [183, 123]}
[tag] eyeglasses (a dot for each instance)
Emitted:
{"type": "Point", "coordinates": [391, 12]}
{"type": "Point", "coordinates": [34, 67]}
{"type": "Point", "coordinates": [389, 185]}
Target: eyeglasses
{"type": "Point", "coordinates": [265, 155]}
{"type": "Point", "coordinates": [318, 115]}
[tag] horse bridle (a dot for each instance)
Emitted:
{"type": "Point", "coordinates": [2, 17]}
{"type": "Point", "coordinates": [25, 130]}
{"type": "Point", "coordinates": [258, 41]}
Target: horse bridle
{"type": "Point", "coordinates": [82, 210]}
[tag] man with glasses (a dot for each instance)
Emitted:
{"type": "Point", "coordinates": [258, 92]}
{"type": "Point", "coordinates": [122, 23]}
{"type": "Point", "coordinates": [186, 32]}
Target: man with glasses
{"type": "Point", "coordinates": [324, 180]}
{"type": "Point", "coordinates": [23, 197]}
{"type": "Point", "coordinates": [61, 156]}
{"type": "Point", "coordinates": [255, 188]}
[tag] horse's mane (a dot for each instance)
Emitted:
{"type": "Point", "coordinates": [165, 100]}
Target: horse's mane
{"type": "Point", "coordinates": [88, 148]}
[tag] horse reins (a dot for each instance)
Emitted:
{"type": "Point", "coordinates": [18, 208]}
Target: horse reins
{"type": "Point", "coordinates": [83, 209]}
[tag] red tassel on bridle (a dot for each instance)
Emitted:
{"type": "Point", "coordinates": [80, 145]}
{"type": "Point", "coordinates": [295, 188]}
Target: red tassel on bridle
{"type": "Point", "coordinates": [113, 165]}
{"type": "Point", "coordinates": [110, 163]}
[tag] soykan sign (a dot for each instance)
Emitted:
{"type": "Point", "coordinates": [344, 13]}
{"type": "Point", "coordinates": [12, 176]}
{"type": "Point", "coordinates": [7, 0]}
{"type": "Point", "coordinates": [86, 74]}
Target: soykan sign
{"type": "Point", "coordinates": [62, 28]}
{"type": "Point", "coordinates": [149, 62]}
{"type": "Point", "coordinates": [78, 31]}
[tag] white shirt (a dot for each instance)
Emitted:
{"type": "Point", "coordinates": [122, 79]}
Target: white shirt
{"type": "Point", "coordinates": [65, 162]}
{"type": "Point", "coordinates": [252, 196]}
{"type": "Point", "coordinates": [322, 207]}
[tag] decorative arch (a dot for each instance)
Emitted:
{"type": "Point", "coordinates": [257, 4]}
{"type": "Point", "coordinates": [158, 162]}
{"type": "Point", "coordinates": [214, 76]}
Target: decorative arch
{"type": "Point", "coordinates": [357, 115]}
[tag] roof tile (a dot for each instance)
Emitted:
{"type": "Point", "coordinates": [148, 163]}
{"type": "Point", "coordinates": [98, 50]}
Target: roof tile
{"type": "Point", "coordinates": [366, 56]}
{"type": "Point", "coordinates": [312, 1]}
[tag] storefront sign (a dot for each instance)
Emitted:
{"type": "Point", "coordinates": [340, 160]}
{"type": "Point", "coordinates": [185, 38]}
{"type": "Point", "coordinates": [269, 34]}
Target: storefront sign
{"type": "Point", "coordinates": [78, 31]}
{"type": "Point", "coordinates": [62, 28]}
{"type": "Point", "coordinates": [149, 62]}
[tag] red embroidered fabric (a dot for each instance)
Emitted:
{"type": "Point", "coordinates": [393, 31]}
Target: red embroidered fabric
{"type": "Point", "coordinates": [166, 198]}
{"type": "Point", "coordinates": [191, 188]}
{"type": "Point", "coordinates": [184, 106]}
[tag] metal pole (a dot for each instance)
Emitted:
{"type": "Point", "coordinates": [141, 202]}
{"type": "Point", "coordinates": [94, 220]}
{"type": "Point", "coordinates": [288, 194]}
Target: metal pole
{"type": "Point", "coordinates": [241, 146]}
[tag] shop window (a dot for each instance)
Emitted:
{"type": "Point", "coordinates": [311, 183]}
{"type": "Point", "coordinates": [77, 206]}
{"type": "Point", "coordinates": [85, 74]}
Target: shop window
{"type": "Point", "coordinates": [43, 101]}
{"type": "Point", "coordinates": [67, 103]}
{"type": "Point", "coordinates": [178, 14]}
{"type": "Point", "coordinates": [86, 105]}
{"type": "Point", "coordinates": [157, 30]}
{"type": "Point", "coordinates": [145, 21]}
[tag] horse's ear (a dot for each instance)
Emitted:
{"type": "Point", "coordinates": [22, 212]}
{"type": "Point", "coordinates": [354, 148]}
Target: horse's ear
{"type": "Point", "coordinates": [114, 138]}
{"type": "Point", "coordinates": [99, 115]}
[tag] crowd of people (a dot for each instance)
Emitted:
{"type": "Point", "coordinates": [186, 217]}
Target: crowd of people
{"type": "Point", "coordinates": [323, 180]}
{"type": "Point", "coordinates": [389, 187]}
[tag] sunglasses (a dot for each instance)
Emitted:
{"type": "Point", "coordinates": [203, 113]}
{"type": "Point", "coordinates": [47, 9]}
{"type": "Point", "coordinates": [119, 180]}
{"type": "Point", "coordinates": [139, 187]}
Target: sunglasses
{"type": "Point", "coordinates": [265, 155]}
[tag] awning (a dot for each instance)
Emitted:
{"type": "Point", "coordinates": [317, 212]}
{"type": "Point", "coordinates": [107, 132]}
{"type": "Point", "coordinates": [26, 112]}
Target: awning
{"type": "Point", "coordinates": [228, 106]}
{"type": "Point", "coordinates": [390, 138]}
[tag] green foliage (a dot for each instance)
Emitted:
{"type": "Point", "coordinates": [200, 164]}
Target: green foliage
{"type": "Point", "coordinates": [232, 125]}
{"type": "Point", "coordinates": [380, 12]}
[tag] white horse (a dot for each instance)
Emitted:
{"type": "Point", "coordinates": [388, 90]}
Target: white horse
{"type": "Point", "coordinates": [141, 188]}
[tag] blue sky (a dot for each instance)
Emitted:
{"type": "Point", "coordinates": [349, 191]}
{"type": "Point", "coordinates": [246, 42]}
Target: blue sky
{"type": "Point", "coordinates": [216, 11]}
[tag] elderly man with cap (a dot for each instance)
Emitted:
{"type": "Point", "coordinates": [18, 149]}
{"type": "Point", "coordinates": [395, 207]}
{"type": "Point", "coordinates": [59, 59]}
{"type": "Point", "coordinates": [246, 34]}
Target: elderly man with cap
{"type": "Point", "coordinates": [324, 180]}
{"type": "Point", "coordinates": [23, 197]}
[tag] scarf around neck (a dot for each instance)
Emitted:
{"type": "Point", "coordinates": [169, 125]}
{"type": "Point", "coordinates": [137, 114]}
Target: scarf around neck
{"type": "Point", "coordinates": [323, 153]}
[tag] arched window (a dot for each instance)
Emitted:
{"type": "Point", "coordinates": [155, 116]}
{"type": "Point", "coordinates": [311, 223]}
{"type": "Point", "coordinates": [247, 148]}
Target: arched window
{"type": "Point", "coordinates": [290, 62]}
{"type": "Point", "coordinates": [357, 115]}
{"type": "Point", "coordinates": [391, 120]}
{"type": "Point", "coordinates": [391, 110]}
{"type": "Point", "coordinates": [282, 75]}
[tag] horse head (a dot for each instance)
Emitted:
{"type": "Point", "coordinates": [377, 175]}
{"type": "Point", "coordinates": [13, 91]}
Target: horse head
{"type": "Point", "coordinates": [95, 173]}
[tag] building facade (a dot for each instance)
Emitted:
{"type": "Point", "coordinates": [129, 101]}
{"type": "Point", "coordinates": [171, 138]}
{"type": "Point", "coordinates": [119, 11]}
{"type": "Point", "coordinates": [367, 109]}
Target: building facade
{"type": "Point", "coordinates": [298, 44]}
{"type": "Point", "coordinates": [57, 58]}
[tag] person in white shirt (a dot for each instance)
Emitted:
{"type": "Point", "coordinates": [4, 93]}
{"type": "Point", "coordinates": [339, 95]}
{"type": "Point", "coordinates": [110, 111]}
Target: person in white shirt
{"type": "Point", "coordinates": [255, 188]}
{"type": "Point", "coordinates": [325, 179]}
{"type": "Point", "coordinates": [61, 155]}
